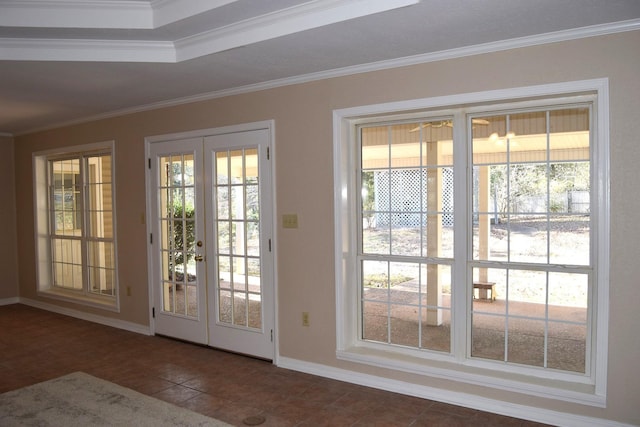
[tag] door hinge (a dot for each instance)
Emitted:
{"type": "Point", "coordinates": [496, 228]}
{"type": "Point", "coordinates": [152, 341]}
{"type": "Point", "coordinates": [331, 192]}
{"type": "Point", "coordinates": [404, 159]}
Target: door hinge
{"type": "Point", "coordinates": [272, 335]}
{"type": "Point", "coordinates": [269, 245]}
{"type": "Point", "coordinates": [149, 162]}
{"type": "Point", "coordinates": [153, 312]}
{"type": "Point", "coordinates": [268, 153]}
{"type": "Point", "coordinates": [151, 238]}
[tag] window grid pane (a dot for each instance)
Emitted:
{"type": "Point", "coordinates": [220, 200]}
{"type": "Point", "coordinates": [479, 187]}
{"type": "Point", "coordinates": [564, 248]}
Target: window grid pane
{"type": "Point", "coordinates": [237, 219]}
{"type": "Point", "coordinates": [530, 262]}
{"type": "Point", "coordinates": [81, 218]}
{"type": "Point", "coordinates": [531, 224]}
{"type": "Point", "coordinates": [176, 198]}
{"type": "Point", "coordinates": [406, 208]}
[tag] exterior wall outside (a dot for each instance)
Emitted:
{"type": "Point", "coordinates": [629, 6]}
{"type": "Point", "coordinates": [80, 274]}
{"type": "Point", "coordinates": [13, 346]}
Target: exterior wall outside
{"type": "Point", "coordinates": [8, 241]}
{"type": "Point", "coordinates": [304, 179]}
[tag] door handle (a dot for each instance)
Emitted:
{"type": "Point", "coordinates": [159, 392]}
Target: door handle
{"type": "Point", "coordinates": [199, 258]}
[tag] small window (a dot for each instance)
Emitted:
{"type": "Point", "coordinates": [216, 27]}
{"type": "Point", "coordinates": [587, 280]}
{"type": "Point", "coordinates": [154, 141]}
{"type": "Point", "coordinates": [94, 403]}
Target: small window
{"type": "Point", "coordinates": [75, 222]}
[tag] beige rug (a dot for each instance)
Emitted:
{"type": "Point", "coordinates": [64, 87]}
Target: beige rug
{"type": "Point", "coordinates": [79, 399]}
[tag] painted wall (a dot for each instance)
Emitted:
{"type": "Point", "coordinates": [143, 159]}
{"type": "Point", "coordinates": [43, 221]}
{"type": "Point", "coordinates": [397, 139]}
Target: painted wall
{"type": "Point", "coordinates": [8, 237]}
{"type": "Point", "coordinates": [304, 174]}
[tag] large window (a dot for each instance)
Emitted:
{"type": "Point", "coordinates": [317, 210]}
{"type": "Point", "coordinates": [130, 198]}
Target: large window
{"type": "Point", "coordinates": [468, 237]}
{"type": "Point", "coordinates": [76, 244]}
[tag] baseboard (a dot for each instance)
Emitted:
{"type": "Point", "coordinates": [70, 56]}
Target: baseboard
{"type": "Point", "coordinates": [107, 321]}
{"type": "Point", "coordinates": [455, 398]}
{"type": "Point", "coordinates": [9, 301]}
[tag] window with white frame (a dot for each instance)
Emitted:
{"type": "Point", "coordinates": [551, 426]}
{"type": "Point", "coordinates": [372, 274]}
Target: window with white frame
{"type": "Point", "coordinates": [75, 224]}
{"type": "Point", "coordinates": [468, 235]}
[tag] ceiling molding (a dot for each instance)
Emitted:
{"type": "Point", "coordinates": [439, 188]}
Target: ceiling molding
{"type": "Point", "coordinates": [76, 14]}
{"type": "Point", "coordinates": [554, 37]}
{"type": "Point", "coordinates": [111, 14]}
{"type": "Point", "coordinates": [295, 19]}
{"type": "Point", "coordinates": [288, 21]}
{"type": "Point", "coordinates": [168, 11]}
{"type": "Point", "coordinates": [87, 50]}
{"type": "Point", "coordinates": [516, 43]}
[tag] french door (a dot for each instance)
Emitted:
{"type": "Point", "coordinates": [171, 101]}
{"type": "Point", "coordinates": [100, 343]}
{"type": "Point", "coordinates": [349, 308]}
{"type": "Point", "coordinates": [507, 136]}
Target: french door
{"type": "Point", "coordinates": [210, 245]}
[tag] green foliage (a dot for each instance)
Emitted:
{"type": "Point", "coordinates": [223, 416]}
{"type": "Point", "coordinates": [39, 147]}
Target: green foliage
{"type": "Point", "coordinates": [527, 180]}
{"type": "Point", "coordinates": [368, 197]}
{"type": "Point", "coordinates": [184, 236]}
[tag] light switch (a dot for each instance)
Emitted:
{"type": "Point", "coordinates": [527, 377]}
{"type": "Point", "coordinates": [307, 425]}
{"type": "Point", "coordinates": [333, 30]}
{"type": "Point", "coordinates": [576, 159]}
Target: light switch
{"type": "Point", "coordinates": [290, 221]}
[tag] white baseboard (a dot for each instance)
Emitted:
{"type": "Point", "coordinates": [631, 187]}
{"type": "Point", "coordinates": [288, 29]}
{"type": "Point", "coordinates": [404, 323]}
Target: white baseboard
{"type": "Point", "coordinates": [107, 321]}
{"type": "Point", "coordinates": [455, 398]}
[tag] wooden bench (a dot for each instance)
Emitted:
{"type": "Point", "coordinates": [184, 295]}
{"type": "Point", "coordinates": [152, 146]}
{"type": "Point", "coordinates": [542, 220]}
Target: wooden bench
{"type": "Point", "coordinates": [483, 287]}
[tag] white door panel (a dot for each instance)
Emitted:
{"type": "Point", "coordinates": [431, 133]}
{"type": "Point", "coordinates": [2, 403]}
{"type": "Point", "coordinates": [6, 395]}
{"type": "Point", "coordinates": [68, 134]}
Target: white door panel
{"type": "Point", "coordinates": [178, 279]}
{"type": "Point", "coordinates": [212, 267]}
{"type": "Point", "coordinates": [238, 246]}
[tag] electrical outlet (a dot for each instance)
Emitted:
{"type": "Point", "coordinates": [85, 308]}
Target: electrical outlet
{"type": "Point", "coordinates": [128, 291]}
{"type": "Point", "coordinates": [305, 318]}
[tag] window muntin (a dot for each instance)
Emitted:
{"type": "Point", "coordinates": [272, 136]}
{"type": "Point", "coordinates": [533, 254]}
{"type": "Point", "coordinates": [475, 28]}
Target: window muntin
{"type": "Point", "coordinates": [176, 194]}
{"type": "Point", "coordinates": [75, 225]}
{"type": "Point", "coordinates": [65, 188]}
{"type": "Point", "coordinates": [406, 233]}
{"type": "Point", "coordinates": [530, 239]}
{"type": "Point", "coordinates": [530, 167]}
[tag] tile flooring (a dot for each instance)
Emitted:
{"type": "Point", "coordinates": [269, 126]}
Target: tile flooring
{"type": "Point", "coordinates": [37, 345]}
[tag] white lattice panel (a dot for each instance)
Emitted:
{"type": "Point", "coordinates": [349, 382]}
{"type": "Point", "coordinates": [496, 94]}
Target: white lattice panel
{"type": "Point", "coordinates": [401, 198]}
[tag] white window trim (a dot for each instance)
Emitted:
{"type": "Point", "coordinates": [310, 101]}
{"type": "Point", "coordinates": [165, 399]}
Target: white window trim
{"type": "Point", "coordinates": [41, 226]}
{"type": "Point", "coordinates": [588, 390]}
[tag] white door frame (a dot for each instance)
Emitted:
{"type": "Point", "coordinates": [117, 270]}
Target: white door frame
{"type": "Point", "coordinates": [201, 133]}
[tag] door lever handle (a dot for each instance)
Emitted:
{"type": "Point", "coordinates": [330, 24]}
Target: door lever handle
{"type": "Point", "coordinates": [199, 258]}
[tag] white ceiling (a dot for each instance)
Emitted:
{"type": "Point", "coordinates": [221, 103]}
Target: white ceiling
{"type": "Point", "coordinates": [68, 61]}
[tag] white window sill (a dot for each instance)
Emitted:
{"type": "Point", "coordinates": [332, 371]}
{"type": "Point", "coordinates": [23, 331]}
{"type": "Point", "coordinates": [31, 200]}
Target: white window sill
{"type": "Point", "coordinates": [560, 387]}
{"type": "Point", "coordinates": [102, 302]}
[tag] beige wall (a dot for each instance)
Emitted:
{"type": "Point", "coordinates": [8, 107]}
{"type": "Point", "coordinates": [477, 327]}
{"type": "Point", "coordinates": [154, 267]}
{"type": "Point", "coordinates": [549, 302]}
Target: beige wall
{"type": "Point", "coordinates": [303, 117]}
{"type": "Point", "coordinates": [8, 244]}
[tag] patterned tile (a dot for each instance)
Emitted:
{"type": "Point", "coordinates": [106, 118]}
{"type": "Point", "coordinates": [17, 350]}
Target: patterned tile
{"type": "Point", "coordinates": [37, 345]}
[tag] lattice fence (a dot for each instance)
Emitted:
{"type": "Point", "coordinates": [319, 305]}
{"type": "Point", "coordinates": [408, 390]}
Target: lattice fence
{"type": "Point", "coordinates": [401, 198]}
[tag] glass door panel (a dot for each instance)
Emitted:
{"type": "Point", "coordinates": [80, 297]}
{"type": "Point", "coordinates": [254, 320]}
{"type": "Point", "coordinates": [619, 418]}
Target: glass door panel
{"type": "Point", "coordinates": [239, 242]}
{"type": "Point", "coordinates": [238, 227]}
{"type": "Point", "coordinates": [180, 294]}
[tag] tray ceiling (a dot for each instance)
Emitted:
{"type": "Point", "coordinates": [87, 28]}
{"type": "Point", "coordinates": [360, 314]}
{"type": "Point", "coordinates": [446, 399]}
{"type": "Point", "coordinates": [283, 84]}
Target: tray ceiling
{"type": "Point", "coordinates": [68, 61]}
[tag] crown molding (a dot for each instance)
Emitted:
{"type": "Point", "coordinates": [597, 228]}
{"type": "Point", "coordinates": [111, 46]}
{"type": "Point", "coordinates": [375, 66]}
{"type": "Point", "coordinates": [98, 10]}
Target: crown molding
{"type": "Point", "coordinates": [517, 43]}
{"type": "Point", "coordinates": [168, 11]}
{"type": "Point", "coordinates": [76, 14]}
{"type": "Point", "coordinates": [491, 47]}
{"type": "Point", "coordinates": [111, 14]}
{"type": "Point", "coordinates": [284, 22]}
{"type": "Point", "coordinates": [87, 50]}
{"type": "Point", "coordinates": [522, 42]}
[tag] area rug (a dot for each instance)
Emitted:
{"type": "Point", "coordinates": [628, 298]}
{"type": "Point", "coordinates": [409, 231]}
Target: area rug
{"type": "Point", "coordinates": [80, 399]}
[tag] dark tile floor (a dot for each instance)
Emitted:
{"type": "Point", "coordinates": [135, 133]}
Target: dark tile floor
{"type": "Point", "coordinates": [37, 345]}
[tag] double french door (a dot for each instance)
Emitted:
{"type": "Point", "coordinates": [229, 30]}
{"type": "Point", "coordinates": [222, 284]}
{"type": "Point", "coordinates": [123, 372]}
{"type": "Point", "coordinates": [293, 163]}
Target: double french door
{"type": "Point", "coordinates": [212, 269]}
